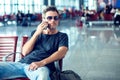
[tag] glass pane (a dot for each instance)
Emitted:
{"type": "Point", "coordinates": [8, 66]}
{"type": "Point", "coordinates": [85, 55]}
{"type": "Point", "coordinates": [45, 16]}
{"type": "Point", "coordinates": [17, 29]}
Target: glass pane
{"type": "Point", "coordinates": [7, 1]}
{"type": "Point", "coordinates": [1, 9]}
{"type": "Point", "coordinates": [14, 9]}
{"type": "Point", "coordinates": [2, 2]}
{"type": "Point", "coordinates": [21, 8]}
{"type": "Point", "coordinates": [37, 6]}
{"type": "Point", "coordinates": [7, 9]}
{"type": "Point", "coordinates": [36, 2]}
{"type": "Point", "coordinates": [14, 1]}
{"type": "Point", "coordinates": [28, 2]}
{"type": "Point", "coordinates": [21, 1]}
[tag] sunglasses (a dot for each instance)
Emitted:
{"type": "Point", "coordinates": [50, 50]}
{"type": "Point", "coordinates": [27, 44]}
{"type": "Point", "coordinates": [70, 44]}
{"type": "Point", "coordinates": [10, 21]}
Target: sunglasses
{"type": "Point", "coordinates": [53, 17]}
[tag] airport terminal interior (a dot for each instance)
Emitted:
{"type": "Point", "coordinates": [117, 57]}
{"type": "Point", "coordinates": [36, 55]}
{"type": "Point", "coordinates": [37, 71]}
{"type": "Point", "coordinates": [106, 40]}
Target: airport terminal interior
{"type": "Point", "coordinates": [93, 31]}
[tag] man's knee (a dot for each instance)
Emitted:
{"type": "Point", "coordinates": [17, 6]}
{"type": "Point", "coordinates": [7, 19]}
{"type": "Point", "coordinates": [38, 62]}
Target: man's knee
{"type": "Point", "coordinates": [41, 73]}
{"type": "Point", "coordinates": [44, 74]}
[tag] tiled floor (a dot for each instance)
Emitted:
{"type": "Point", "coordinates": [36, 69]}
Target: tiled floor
{"type": "Point", "coordinates": [94, 53]}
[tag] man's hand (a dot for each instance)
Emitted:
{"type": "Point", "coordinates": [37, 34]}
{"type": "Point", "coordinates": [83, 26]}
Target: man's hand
{"type": "Point", "coordinates": [36, 65]}
{"type": "Point", "coordinates": [41, 27]}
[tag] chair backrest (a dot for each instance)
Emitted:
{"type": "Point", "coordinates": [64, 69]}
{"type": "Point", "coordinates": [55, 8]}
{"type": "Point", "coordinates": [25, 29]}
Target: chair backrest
{"type": "Point", "coordinates": [8, 44]}
{"type": "Point", "coordinates": [24, 40]}
{"type": "Point", "coordinates": [108, 17]}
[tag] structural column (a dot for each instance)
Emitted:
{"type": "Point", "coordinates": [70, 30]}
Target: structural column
{"type": "Point", "coordinates": [49, 2]}
{"type": "Point", "coordinates": [45, 2]}
{"type": "Point", "coordinates": [81, 3]}
{"type": "Point", "coordinates": [52, 2]}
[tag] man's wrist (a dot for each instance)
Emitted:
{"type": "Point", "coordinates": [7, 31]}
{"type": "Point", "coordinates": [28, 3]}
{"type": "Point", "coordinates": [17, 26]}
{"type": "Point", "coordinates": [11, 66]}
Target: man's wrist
{"type": "Point", "coordinates": [44, 62]}
{"type": "Point", "coordinates": [37, 34]}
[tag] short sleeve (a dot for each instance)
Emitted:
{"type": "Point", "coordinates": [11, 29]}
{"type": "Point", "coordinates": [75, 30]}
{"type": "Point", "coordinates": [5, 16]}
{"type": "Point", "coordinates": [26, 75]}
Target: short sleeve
{"type": "Point", "coordinates": [63, 40]}
{"type": "Point", "coordinates": [32, 33]}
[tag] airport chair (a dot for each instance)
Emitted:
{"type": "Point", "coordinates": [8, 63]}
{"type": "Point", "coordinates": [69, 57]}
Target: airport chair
{"type": "Point", "coordinates": [93, 17]}
{"type": "Point", "coordinates": [108, 17]}
{"type": "Point", "coordinates": [8, 46]}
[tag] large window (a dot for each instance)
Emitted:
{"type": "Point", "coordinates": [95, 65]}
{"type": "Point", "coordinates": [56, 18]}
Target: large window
{"type": "Point", "coordinates": [1, 7]}
{"type": "Point", "coordinates": [38, 5]}
{"type": "Point", "coordinates": [67, 4]}
{"type": "Point", "coordinates": [21, 5]}
{"type": "Point", "coordinates": [12, 6]}
{"type": "Point", "coordinates": [91, 4]}
{"type": "Point", "coordinates": [4, 6]}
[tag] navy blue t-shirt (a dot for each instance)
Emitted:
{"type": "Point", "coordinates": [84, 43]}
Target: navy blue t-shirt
{"type": "Point", "coordinates": [45, 46]}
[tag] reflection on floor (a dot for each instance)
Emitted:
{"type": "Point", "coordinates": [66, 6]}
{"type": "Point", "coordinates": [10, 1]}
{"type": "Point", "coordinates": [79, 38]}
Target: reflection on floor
{"type": "Point", "coordinates": [94, 53]}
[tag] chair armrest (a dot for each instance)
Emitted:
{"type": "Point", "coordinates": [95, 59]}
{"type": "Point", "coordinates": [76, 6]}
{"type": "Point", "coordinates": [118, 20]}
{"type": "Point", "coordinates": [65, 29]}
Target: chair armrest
{"type": "Point", "coordinates": [6, 56]}
{"type": "Point", "coordinates": [58, 65]}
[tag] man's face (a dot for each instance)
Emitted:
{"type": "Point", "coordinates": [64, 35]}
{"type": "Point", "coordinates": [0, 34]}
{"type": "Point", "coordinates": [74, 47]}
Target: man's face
{"type": "Point", "coordinates": [52, 18]}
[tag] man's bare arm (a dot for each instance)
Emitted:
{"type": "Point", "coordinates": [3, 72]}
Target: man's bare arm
{"type": "Point", "coordinates": [28, 46]}
{"type": "Point", "coordinates": [55, 56]}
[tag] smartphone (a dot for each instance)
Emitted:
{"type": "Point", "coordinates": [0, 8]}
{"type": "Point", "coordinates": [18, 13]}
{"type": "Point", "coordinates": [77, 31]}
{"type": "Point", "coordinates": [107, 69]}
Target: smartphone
{"type": "Point", "coordinates": [47, 27]}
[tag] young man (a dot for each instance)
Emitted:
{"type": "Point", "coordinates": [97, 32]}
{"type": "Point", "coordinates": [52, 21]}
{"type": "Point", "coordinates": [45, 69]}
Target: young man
{"type": "Point", "coordinates": [45, 46]}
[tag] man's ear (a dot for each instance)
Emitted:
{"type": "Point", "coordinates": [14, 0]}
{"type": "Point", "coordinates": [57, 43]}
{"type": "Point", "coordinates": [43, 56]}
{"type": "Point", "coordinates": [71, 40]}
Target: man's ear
{"type": "Point", "coordinates": [43, 19]}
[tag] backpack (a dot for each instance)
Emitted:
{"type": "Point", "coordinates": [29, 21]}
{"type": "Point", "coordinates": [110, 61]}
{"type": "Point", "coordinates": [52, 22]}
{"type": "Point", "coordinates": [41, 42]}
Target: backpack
{"type": "Point", "coordinates": [65, 75]}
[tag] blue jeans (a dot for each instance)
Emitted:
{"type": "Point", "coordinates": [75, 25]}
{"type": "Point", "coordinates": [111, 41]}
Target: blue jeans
{"type": "Point", "coordinates": [10, 70]}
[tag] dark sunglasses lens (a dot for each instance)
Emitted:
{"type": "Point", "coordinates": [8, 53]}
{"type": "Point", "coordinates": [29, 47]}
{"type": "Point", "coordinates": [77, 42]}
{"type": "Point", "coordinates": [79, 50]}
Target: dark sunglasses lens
{"type": "Point", "coordinates": [52, 17]}
{"type": "Point", "coordinates": [56, 18]}
{"type": "Point", "coordinates": [49, 17]}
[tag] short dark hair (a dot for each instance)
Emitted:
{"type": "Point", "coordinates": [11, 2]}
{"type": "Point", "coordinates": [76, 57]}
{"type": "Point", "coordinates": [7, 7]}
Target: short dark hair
{"type": "Point", "coordinates": [50, 8]}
